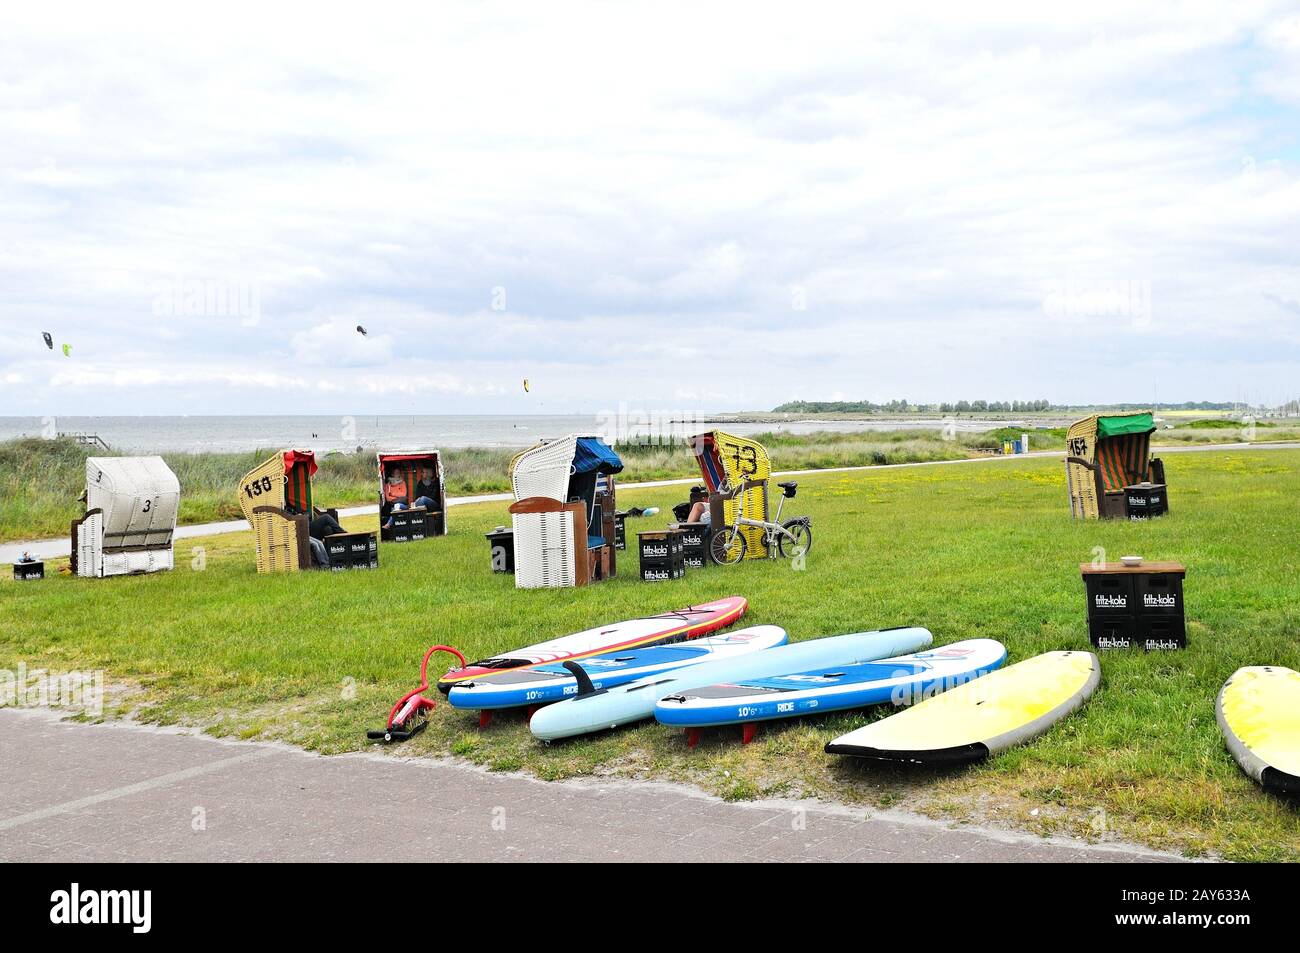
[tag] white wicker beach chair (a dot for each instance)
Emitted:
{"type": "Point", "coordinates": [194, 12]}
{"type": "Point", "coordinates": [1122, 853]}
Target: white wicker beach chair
{"type": "Point", "coordinates": [130, 520]}
{"type": "Point", "coordinates": [544, 550]}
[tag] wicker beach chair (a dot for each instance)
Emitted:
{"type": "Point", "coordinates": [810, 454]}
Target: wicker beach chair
{"type": "Point", "coordinates": [275, 498]}
{"type": "Point", "coordinates": [1104, 454]}
{"type": "Point", "coordinates": [130, 519]}
{"type": "Point", "coordinates": [563, 522]}
{"type": "Point", "coordinates": [409, 463]}
{"type": "Point", "coordinates": [726, 461]}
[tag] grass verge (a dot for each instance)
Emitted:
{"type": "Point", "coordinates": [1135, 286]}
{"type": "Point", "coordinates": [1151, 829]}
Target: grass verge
{"type": "Point", "coordinates": [976, 550]}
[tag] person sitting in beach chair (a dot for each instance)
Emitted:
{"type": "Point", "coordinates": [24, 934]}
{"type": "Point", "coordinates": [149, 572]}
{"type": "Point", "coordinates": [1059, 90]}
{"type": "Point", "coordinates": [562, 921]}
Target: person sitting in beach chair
{"type": "Point", "coordinates": [395, 493]}
{"type": "Point", "coordinates": [699, 513]}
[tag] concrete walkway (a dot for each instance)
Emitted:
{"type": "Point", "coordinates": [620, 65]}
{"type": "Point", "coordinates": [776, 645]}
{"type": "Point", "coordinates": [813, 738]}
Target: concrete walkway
{"type": "Point", "coordinates": [122, 792]}
{"type": "Point", "coordinates": [54, 548]}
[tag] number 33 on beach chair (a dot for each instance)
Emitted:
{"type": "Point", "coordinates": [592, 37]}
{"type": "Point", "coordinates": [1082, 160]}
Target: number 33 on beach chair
{"type": "Point", "coordinates": [727, 464]}
{"type": "Point", "coordinates": [563, 512]}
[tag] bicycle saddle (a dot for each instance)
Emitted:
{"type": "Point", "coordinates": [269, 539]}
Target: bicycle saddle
{"type": "Point", "coordinates": [788, 485]}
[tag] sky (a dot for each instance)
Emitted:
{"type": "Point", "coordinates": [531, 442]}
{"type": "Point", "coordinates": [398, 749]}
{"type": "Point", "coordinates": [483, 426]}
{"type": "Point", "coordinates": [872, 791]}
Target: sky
{"type": "Point", "coordinates": [668, 206]}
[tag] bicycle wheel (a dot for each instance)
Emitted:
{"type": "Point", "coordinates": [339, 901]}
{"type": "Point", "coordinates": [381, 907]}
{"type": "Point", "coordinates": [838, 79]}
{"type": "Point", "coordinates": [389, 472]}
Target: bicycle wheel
{"type": "Point", "coordinates": [727, 547]}
{"type": "Point", "coordinates": [801, 541]}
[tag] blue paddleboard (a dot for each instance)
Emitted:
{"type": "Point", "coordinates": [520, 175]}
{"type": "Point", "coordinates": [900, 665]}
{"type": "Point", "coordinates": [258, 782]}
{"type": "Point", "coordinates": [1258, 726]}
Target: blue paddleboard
{"type": "Point", "coordinates": [903, 680]}
{"type": "Point", "coordinates": [544, 684]}
{"type": "Point", "coordinates": [636, 700]}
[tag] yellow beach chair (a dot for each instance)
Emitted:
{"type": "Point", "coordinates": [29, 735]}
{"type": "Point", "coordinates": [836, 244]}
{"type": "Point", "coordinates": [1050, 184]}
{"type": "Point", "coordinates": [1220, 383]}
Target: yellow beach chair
{"type": "Point", "coordinates": [1104, 454]}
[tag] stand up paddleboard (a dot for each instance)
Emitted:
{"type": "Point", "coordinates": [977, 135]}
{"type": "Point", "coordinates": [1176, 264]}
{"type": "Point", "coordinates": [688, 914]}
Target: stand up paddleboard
{"type": "Point", "coordinates": [903, 680]}
{"type": "Point", "coordinates": [629, 703]}
{"type": "Point", "coordinates": [552, 683]}
{"type": "Point", "coordinates": [689, 623]}
{"type": "Point", "coordinates": [1258, 710]}
{"type": "Point", "coordinates": [993, 713]}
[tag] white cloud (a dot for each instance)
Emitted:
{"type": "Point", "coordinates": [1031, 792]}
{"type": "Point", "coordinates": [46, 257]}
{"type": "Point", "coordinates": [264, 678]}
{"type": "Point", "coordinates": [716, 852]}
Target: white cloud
{"type": "Point", "coordinates": [647, 194]}
{"type": "Point", "coordinates": [339, 343]}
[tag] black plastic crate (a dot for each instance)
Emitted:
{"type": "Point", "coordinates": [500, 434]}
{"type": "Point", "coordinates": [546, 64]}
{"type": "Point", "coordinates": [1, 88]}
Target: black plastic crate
{"type": "Point", "coordinates": [408, 526]}
{"type": "Point", "coordinates": [1113, 632]}
{"type": "Point", "coordinates": [352, 551]}
{"type": "Point", "coordinates": [1162, 633]}
{"type": "Point", "coordinates": [620, 530]}
{"type": "Point", "coordinates": [24, 572]}
{"type": "Point", "coordinates": [1158, 593]}
{"type": "Point", "coordinates": [660, 544]}
{"type": "Point", "coordinates": [1144, 502]}
{"type": "Point", "coordinates": [695, 537]}
{"type": "Point", "coordinates": [502, 541]}
{"type": "Point", "coordinates": [1109, 594]}
{"type": "Point", "coordinates": [662, 572]}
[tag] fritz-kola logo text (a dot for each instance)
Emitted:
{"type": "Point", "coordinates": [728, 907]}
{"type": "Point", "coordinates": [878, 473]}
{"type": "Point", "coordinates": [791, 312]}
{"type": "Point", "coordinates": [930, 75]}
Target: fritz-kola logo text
{"type": "Point", "coordinates": [1157, 599]}
{"type": "Point", "coordinates": [1111, 602]}
{"type": "Point", "coordinates": [74, 906]}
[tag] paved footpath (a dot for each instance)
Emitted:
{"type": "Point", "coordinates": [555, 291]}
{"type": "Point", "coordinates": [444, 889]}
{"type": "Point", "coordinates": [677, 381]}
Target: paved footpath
{"type": "Point", "coordinates": [122, 792]}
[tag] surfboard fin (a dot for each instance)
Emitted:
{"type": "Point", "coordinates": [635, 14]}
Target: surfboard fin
{"type": "Point", "coordinates": [585, 688]}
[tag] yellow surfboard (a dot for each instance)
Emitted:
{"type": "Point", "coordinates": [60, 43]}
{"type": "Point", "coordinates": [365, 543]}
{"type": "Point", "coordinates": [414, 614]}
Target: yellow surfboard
{"type": "Point", "coordinates": [1259, 714]}
{"type": "Point", "coordinates": [982, 717]}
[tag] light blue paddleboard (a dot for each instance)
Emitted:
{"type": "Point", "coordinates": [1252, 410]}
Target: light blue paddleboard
{"type": "Point", "coordinates": [552, 683]}
{"type": "Point", "coordinates": [903, 680]}
{"type": "Point", "coordinates": [636, 701]}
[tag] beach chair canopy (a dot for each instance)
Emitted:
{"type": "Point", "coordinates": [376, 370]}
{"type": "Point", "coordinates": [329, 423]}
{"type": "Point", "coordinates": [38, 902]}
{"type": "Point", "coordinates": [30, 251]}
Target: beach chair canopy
{"type": "Point", "coordinates": [562, 469]}
{"type": "Point", "coordinates": [726, 460]}
{"type": "Point", "coordinates": [408, 464]}
{"type": "Point", "coordinates": [1119, 444]}
{"type": "Point", "coordinates": [131, 509]}
{"type": "Point", "coordinates": [140, 497]}
{"type": "Point", "coordinates": [282, 480]}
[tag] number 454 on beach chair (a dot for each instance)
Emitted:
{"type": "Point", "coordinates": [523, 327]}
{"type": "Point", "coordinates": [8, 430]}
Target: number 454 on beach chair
{"type": "Point", "coordinates": [1109, 467]}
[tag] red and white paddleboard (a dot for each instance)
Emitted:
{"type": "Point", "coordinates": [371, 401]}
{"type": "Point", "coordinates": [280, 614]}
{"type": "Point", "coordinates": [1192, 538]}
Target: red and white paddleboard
{"type": "Point", "coordinates": [688, 623]}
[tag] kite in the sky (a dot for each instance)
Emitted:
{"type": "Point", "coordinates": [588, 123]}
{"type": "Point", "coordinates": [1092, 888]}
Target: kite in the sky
{"type": "Point", "coordinates": [362, 331]}
{"type": "Point", "coordinates": [49, 339]}
{"type": "Point", "coordinates": [67, 350]}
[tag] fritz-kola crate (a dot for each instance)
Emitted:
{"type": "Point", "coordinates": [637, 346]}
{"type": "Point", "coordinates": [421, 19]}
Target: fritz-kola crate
{"type": "Point", "coordinates": [408, 526]}
{"type": "Point", "coordinates": [1145, 500]}
{"type": "Point", "coordinates": [352, 551]}
{"type": "Point", "coordinates": [660, 544]}
{"type": "Point", "coordinates": [1135, 606]}
{"type": "Point", "coordinates": [662, 555]}
{"type": "Point", "coordinates": [31, 569]}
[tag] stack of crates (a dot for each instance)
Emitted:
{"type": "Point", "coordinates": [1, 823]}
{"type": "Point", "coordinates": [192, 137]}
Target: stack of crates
{"type": "Point", "coordinates": [695, 544]}
{"type": "Point", "coordinates": [1136, 606]}
{"type": "Point", "coordinates": [352, 551]}
{"type": "Point", "coordinates": [663, 555]}
{"type": "Point", "coordinates": [408, 525]}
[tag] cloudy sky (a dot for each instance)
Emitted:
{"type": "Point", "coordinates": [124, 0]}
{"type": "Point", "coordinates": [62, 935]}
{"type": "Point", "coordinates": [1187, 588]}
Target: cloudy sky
{"type": "Point", "coordinates": [678, 206]}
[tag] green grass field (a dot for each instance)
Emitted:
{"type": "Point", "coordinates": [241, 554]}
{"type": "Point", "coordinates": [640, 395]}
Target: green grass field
{"type": "Point", "coordinates": [981, 549]}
